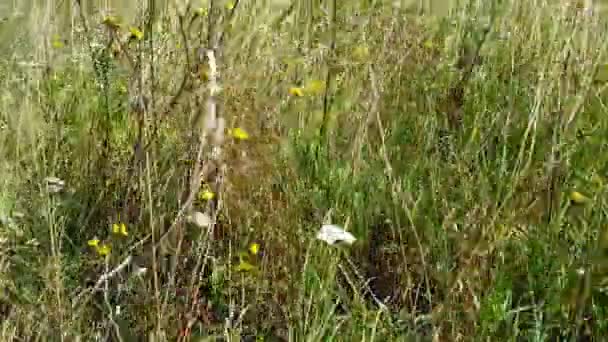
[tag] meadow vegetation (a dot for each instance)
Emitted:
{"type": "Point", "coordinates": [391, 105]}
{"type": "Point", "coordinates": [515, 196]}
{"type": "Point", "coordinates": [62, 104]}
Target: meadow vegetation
{"type": "Point", "coordinates": [164, 171]}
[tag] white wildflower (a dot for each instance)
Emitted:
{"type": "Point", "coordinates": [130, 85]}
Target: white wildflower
{"type": "Point", "coordinates": [333, 234]}
{"type": "Point", "coordinates": [200, 219]}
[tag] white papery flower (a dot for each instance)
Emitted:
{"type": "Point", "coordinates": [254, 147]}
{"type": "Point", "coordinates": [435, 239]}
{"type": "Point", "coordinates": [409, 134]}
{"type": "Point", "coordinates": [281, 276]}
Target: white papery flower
{"type": "Point", "coordinates": [333, 234]}
{"type": "Point", "coordinates": [200, 219]}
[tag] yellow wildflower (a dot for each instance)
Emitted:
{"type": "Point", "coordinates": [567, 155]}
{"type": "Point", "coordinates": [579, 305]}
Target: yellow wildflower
{"type": "Point", "coordinates": [238, 133]}
{"type": "Point", "coordinates": [104, 250]}
{"type": "Point", "coordinates": [56, 42]}
{"type": "Point", "coordinates": [111, 22]}
{"type": "Point", "coordinates": [361, 52]}
{"type": "Point", "coordinates": [201, 12]}
{"type": "Point", "coordinates": [296, 91]}
{"type": "Point", "coordinates": [244, 266]}
{"type": "Point", "coordinates": [120, 228]}
{"type": "Point", "coordinates": [206, 195]}
{"type": "Point", "coordinates": [254, 248]}
{"type": "Point", "coordinates": [578, 198]}
{"type": "Point", "coordinates": [315, 87]}
{"type": "Point", "coordinates": [93, 242]}
{"type": "Point", "coordinates": [136, 33]}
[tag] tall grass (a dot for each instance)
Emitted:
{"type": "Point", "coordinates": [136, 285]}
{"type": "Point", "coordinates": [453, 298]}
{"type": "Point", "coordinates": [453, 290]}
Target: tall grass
{"type": "Point", "coordinates": [166, 166]}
